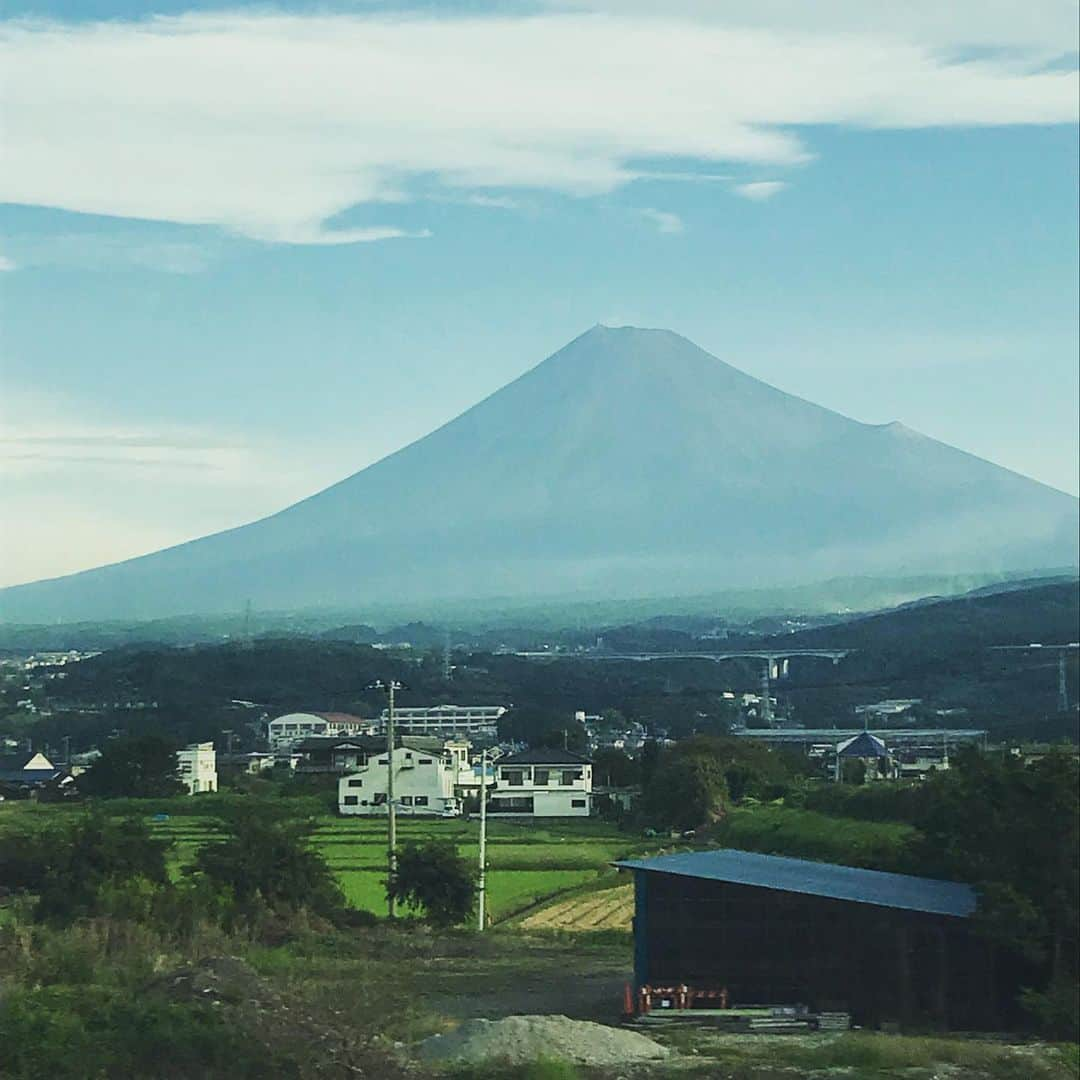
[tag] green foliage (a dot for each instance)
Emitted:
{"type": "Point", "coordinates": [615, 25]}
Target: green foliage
{"type": "Point", "coordinates": [535, 1070]}
{"type": "Point", "coordinates": [615, 768]}
{"type": "Point", "coordinates": [140, 767]}
{"type": "Point", "coordinates": [803, 834]}
{"type": "Point", "coordinates": [1055, 1010]}
{"type": "Point", "coordinates": [75, 866]}
{"type": "Point", "coordinates": [433, 877]}
{"type": "Point", "coordinates": [263, 859]}
{"type": "Point", "coordinates": [689, 788]}
{"type": "Point", "coordinates": [1013, 830]}
{"type": "Point", "coordinates": [880, 801]}
{"type": "Point", "coordinates": [57, 1033]}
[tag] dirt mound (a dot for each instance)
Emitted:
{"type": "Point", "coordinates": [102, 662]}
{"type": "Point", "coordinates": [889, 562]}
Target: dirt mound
{"type": "Point", "coordinates": [517, 1040]}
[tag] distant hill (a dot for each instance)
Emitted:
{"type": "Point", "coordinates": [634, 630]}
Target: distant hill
{"type": "Point", "coordinates": [630, 463]}
{"type": "Point", "coordinates": [1011, 615]}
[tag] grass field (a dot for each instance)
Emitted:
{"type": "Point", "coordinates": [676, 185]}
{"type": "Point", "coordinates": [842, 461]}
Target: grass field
{"type": "Point", "coordinates": [526, 865]}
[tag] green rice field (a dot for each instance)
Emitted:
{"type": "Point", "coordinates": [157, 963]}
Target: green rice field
{"type": "Point", "coordinates": [528, 864]}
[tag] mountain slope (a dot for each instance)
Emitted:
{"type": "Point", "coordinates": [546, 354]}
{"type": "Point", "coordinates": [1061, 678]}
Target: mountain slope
{"type": "Point", "coordinates": [630, 461]}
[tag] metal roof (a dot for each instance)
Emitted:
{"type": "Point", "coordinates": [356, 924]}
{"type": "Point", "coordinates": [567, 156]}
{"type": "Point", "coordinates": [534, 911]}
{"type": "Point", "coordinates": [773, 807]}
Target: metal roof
{"type": "Point", "coordinates": [863, 745]}
{"type": "Point", "coordinates": [816, 879]}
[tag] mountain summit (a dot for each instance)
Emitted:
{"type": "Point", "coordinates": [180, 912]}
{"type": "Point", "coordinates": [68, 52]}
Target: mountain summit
{"type": "Point", "coordinates": [630, 462]}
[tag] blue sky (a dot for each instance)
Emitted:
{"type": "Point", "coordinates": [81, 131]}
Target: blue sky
{"type": "Point", "coordinates": [248, 251]}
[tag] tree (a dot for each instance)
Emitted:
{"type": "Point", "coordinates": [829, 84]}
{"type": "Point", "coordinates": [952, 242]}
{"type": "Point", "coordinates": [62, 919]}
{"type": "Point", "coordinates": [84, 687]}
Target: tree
{"type": "Point", "coordinates": [140, 767]}
{"type": "Point", "coordinates": [1013, 830]}
{"type": "Point", "coordinates": [268, 860]}
{"type": "Point", "coordinates": [434, 877]}
{"type": "Point", "coordinates": [688, 788]}
{"type": "Point", "coordinates": [69, 866]}
{"type": "Point", "coordinates": [614, 768]}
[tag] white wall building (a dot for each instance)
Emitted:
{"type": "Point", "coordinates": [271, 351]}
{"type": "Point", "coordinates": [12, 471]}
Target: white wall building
{"type": "Point", "coordinates": [542, 783]}
{"type": "Point", "coordinates": [198, 767]}
{"type": "Point", "coordinates": [426, 776]}
{"type": "Point", "coordinates": [445, 720]}
{"type": "Point", "coordinates": [285, 730]}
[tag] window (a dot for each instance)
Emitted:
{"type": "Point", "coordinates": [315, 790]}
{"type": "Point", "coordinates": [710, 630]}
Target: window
{"type": "Point", "coordinates": [421, 800]}
{"type": "Point", "coordinates": [383, 761]}
{"type": "Point", "coordinates": [408, 757]}
{"type": "Point", "coordinates": [540, 777]}
{"type": "Point", "coordinates": [577, 804]}
{"type": "Point", "coordinates": [380, 798]}
{"type": "Point", "coordinates": [514, 777]}
{"type": "Point", "coordinates": [425, 761]}
{"type": "Point", "coordinates": [351, 800]}
{"type": "Point", "coordinates": [569, 776]}
{"type": "Point", "coordinates": [504, 805]}
{"type": "Point", "coordinates": [406, 800]}
{"type": "Point", "coordinates": [356, 783]}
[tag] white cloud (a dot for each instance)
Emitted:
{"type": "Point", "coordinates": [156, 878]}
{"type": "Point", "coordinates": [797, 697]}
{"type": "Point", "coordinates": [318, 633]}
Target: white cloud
{"type": "Point", "coordinates": [6, 264]}
{"type": "Point", "coordinates": [271, 125]}
{"type": "Point", "coordinates": [664, 221]}
{"type": "Point", "coordinates": [760, 190]}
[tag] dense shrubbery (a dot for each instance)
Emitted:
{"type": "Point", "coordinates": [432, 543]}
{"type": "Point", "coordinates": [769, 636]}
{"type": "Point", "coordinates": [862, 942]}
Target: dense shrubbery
{"type": "Point", "coordinates": [435, 878]}
{"type": "Point", "coordinates": [692, 783]}
{"type": "Point", "coordinates": [261, 862]}
{"type": "Point", "coordinates": [1013, 830]}
{"type": "Point", "coordinates": [879, 801]}
{"type": "Point", "coordinates": [62, 1032]}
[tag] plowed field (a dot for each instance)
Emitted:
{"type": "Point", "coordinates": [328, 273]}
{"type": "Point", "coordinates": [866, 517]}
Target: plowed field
{"type": "Point", "coordinates": [611, 909]}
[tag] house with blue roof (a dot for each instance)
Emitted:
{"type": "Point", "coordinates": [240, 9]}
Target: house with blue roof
{"type": "Point", "coordinates": [22, 774]}
{"type": "Point", "coordinates": [774, 931]}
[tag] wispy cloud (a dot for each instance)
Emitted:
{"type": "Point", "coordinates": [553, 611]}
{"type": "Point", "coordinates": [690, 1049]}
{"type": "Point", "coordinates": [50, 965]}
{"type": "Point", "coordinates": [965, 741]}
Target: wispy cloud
{"type": "Point", "coordinates": [664, 221]}
{"type": "Point", "coordinates": [189, 120]}
{"type": "Point", "coordinates": [6, 264]}
{"type": "Point", "coordinates": [760, 190]}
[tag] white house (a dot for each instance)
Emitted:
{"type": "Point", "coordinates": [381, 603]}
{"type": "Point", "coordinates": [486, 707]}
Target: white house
{"type": "Point", "coordinates": [198, 767]}
{"type": "Point", "coordinates": [285, 730]}
{"type": "Point", "coordinates": [444, 720]}
{"type": "Point", "coordinates": [542, 783]}
{"type": "Point", "coordinates": [426, 776]}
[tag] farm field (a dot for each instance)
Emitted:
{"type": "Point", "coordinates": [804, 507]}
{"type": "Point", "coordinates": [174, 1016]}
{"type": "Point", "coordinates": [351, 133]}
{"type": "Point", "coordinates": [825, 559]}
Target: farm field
{"type": "Point", "coordinates": [527, 865]}
{"type": "Point", "coordinates": [604, 909]}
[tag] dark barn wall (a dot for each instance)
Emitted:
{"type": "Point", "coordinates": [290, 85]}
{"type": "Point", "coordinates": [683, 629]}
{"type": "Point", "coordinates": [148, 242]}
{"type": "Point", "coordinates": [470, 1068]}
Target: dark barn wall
{"type": "Point", "coordinates": [772, 947]}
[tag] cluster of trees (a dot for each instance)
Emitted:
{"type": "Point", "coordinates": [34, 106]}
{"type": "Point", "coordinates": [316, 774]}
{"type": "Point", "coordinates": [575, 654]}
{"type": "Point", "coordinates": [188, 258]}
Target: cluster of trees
{"type": "Point", "coordinates": [1013, 830]}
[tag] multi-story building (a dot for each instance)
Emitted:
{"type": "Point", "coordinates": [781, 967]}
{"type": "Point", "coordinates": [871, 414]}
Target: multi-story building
{"type": "Point", "coordinates": [292, 727]}
{"type": "Point", "coordinates": [477, 720]}
{"type": "Point", "coordinates": [428, 777]}
{"type": "Point", "coordinates": [542, 783]}
{"type": "Point", "coordinates": [198, 767]}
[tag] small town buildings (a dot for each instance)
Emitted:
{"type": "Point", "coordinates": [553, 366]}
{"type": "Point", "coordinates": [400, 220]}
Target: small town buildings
{"type": "Point", "coordinates": [27, 772]}
{"type": "Point", "coordinates": [871, 751]}
{"type": "Point", "coordinates": [787, 932]}
{"type": "Point", "coordinates": [466, 720]}
{"type": "Point", "coordinates": [198, 767]}
{"type": "Point", "coordinates": [284, 731]}
{"type": "Point", "coordinates": [542, 783]}
{"type": "Point", "coordinates": [427, 775]}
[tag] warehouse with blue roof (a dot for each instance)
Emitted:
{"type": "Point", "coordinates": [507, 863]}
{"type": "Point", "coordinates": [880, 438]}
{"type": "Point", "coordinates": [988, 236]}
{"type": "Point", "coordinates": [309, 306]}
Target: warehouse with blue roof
{"type": "Point", "coordinates": [771, 930]}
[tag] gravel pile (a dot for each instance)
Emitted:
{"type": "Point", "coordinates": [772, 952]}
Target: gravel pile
{"type": "Point", "coordinates": [517, 1040]}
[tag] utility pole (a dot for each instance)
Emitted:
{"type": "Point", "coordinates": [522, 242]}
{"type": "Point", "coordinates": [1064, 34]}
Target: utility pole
{"type": "Point", "coordinates": [481, 886]}
{"type": "Point", "coordinates": [391, 810]}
